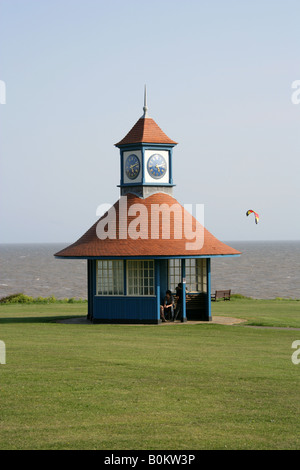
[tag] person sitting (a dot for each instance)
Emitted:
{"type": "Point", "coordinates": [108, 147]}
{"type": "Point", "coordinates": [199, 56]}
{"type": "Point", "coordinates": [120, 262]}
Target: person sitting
{"type": "Point", "coordinates": [162, 314]}
{"type": "Point", "coordinates": [178, 298]}
{"type": "Point", "coordinates": [167, 309]}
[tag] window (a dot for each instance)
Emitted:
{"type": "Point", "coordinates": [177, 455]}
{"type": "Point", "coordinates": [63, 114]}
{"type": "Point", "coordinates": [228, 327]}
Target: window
{"type": "Point", "coordinates": [195, 274]}
{"type": "Point", "coordinates": [174, 273]}
{"type": "Point", "coordinates": [140, 277]}
{"type": "Point", "coordinates": [201, 275]}
{"type": "Point", "coordinates": [110, 277]}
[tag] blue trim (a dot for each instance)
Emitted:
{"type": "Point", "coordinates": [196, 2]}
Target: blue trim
{"type": "Point", "coordinates": [156, 147]}
{"type": "Point", "coordinates": [183, 274]}
{"type": "Point", "coordinates": [90, 281]}
{"type": "Point", "coordinates": [170, 166]}
{"type": "Point", "coordinates": [131, 147]}
{"type": "Point", "coordinates": [146, 184]}
{"type": "Point", "coordinates": [163, 263]}
{"type": "Point", "coordinates": [122, 168]}
{"type": "Point", "coordinates": [94, 271]}
{"type": "Point", "coordinates": [143, 166]}
{"type": "Point", "coordinates": [208, 271]}
{"type": "Point", "coordinates": [150, 145]}
{"type": "Point", "coordinates": [147, 257]}
{"type": "Point", "coordinates": [142, 147]}
{"type": "Point", "coordinates": [157, 287]}
{"type": "Point", "coordinates": [125, 277]}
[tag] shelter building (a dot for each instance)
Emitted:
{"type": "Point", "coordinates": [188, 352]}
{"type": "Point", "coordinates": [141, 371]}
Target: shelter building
{"type": "Point", "coordinates": [147, 242]}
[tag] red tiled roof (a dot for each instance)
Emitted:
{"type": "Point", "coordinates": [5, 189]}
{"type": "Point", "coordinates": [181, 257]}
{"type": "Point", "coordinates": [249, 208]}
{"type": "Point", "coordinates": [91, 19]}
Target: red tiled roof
{"type": "Point", "coordinates": [90, 245]}
{"type": "Point", "coordinates": [146, 130]}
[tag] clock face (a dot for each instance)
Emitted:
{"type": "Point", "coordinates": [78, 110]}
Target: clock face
{"type": "Point", "coordinates": [157, 166]}
{"type": "Point", "coordinates": [132, 166]}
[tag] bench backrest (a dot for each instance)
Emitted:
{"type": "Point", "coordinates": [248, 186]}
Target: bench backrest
{"type": "Point", "coordinates": [222, 293]}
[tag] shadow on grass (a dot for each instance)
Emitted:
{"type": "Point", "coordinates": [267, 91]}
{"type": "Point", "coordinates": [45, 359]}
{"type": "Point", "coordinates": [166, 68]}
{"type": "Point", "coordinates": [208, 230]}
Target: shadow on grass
{"type": "Point", "coordinates": [49, 319]}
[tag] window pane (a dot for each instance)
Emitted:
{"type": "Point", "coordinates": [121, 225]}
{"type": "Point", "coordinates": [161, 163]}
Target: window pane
{"type": "Point", "coordinates": [110, 277]}
{"type": "Point", "coordinates": [195, 274]}
{"type": "Point", "coordinates": [140, 276]}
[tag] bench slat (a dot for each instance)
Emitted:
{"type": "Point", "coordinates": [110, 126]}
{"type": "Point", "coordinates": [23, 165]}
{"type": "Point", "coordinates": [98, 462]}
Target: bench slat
{"type": "Point", "coordinates": [221, 294]}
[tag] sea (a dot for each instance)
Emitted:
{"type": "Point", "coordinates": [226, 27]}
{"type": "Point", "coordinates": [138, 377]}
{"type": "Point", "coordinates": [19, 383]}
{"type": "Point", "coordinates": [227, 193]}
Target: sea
{"type": "Point", "coordinates": [265, 270]}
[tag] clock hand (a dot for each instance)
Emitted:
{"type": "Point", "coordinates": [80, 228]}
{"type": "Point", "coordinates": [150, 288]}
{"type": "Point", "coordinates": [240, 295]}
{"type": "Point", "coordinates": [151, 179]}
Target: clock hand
{"type": "Point", "coordinates": [132, 166]}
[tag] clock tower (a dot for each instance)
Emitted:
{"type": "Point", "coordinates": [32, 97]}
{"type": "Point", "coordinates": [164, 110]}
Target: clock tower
{"type": "Point", "coordinates": [145, 249]}
{"type": "Point", "coordinates": [146, 158]}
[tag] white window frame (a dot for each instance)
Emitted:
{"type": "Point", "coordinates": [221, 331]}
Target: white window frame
{"type": "Point", "coordinates": [110, 278]}
{"type": "Point", "coordinates": [140, 285]}
{"type": "Point", "coordinates": [195, 274]}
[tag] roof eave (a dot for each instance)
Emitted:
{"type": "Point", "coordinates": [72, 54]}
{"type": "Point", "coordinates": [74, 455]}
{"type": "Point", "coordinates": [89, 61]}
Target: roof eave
{"type": "Point", "coordinates": [148, 256]}
{"type": "Point", "coordinates": [158, 144]}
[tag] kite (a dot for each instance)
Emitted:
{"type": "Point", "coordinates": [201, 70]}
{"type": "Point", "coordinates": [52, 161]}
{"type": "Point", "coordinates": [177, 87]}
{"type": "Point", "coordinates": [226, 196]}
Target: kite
{"type": "Point", "coordinates": [255, 213]}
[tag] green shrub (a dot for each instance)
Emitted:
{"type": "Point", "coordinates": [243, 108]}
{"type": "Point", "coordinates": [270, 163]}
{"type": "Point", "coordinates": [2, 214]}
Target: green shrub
{"type": "Point", "coordinates": [240, 297]}
{"type": "Point", "coordinates": [16, 299]}
{"type": "Point", "coordinates": [26, 299]}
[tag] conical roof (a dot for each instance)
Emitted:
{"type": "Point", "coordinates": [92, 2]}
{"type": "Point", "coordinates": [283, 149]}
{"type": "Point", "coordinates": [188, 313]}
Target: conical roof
{"type": "Point", "coordinates": [146, 130]}
{"type": "Point", "coordinates": [140, 219]}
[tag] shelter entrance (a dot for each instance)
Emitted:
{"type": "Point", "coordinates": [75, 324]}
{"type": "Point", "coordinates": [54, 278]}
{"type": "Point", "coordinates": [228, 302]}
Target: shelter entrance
{"type": "Point", "coordinates": [193, 276]}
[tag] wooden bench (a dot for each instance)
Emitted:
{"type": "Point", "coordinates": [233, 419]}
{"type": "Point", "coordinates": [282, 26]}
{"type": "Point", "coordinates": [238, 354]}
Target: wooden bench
{"type": "Point", "coordinates": [196, 306]}
{"type": "Point", "coordinates": [221, 294]}
{"type": "Point", "coordinates": [192, 301]}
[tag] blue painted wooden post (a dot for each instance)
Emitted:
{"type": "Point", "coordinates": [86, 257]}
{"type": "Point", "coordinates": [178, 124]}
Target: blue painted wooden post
{"type": "Point", "coordinates": [208, 305]}
{"type": "Point", "coordinates": [157, 288]}
{"type": "Point", "coordinates": [143, 164]}
{"type": "Point", "coordinates": [121, 171]}
{"type": "Point", "coordinates": [90, 289]}
{"type": "Point", "coordinates": [170, 166]}
{"type": "Point", "coordinates": [92, 279]}
{"type": "Point", "coordinates": [94, 284]}
{"type": "Point", "coordinates": [125, 277]}
{"type": "Point", "coordinates": [183, 319]}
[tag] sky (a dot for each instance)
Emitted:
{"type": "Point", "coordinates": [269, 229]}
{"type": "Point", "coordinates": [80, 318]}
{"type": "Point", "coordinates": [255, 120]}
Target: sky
{"type": "Point", "coordinates": [219, 77]}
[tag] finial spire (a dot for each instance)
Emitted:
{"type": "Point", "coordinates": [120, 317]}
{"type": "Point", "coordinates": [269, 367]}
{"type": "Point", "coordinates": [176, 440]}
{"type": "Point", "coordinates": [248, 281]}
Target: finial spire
{"type": "Point", "coordinates": [145, 108]}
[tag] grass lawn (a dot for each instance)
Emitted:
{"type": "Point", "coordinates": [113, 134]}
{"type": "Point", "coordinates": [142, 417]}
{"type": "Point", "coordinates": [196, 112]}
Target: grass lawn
{"type": "Point", "coordinates": [280, 313]}
{"type": "Point", "coordinates": [149, 387]}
